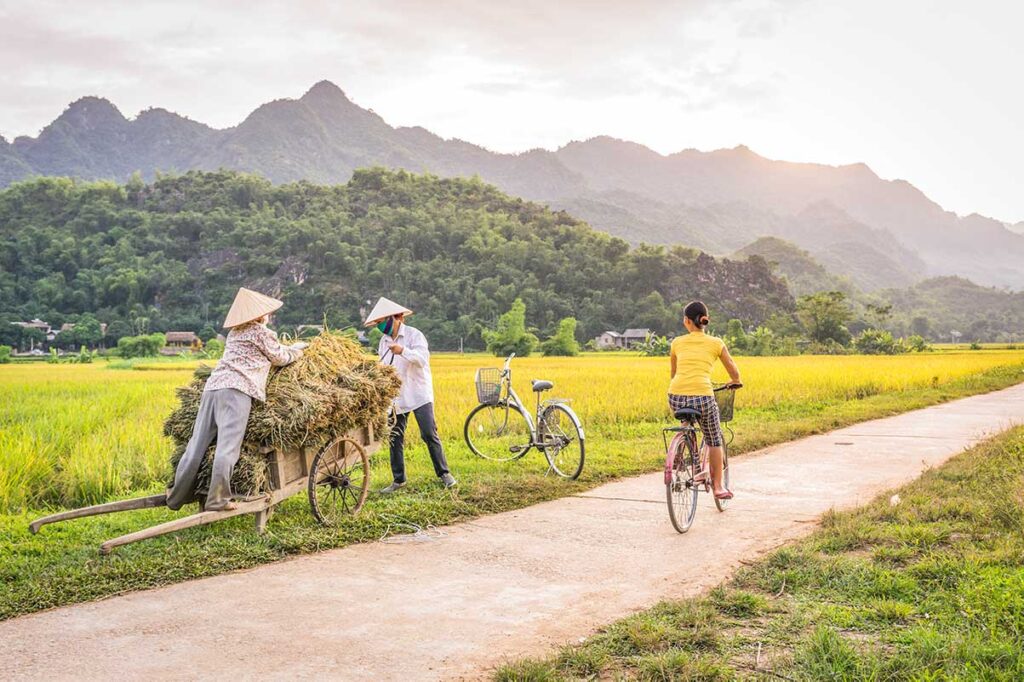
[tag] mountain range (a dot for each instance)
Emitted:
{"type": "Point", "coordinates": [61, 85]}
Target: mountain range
{"type": "Point", "coordinates": [877, 233]}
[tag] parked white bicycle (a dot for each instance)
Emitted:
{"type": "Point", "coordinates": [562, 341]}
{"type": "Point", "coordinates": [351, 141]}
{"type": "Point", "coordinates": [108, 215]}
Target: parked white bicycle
{"type": "Point", "coordinates": [501, 429]}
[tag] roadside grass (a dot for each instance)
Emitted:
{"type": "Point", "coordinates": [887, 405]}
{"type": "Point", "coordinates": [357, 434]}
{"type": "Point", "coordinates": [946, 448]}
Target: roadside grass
{"type": "Point", "coordinates": [65, 444]}
{"type": "Point", "coordinates": [926, 586]}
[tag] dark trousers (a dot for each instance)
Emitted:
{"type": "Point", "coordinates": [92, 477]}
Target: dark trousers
{"type": "Point", "coordinates": [428, 429]}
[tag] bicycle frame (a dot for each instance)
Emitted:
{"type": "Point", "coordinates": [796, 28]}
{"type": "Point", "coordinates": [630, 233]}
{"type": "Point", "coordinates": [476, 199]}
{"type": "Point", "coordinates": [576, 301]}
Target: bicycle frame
{"type": "Point", "coordinates": [512, 400]}
{"type": "Point", "coordinates": [683, 432]}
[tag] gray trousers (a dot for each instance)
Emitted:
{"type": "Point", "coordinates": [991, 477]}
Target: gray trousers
{"type": "Point", "coordinates": [223, 414]}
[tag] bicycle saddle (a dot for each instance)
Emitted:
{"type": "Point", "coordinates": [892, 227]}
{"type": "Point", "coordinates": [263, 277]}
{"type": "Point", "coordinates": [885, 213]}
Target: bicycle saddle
{"type": "Point", "coordinates": [540, 385]}
{"type": "Point", "coordinates": [687, 414]}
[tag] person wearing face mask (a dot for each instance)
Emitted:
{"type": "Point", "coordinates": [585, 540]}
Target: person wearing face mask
{"type": "Point", "coordinates": [405, 348]}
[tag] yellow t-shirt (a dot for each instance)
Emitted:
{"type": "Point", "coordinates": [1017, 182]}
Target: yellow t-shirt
{"type": "Point", "coordinates": [695, 355]}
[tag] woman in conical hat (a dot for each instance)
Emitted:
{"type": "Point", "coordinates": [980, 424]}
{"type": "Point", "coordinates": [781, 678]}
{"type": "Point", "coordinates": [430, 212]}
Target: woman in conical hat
{"type": "Point", "coordinates": [239, 378]}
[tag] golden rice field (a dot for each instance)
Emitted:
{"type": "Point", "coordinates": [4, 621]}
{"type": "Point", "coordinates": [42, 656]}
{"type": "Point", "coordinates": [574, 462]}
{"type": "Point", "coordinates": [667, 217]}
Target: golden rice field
{"type": "Point", "coordinates": [78, 434]}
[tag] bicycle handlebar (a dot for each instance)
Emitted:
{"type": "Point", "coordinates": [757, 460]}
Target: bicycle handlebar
{"type": "Point", "coordinates": [508, 361]}
{"type": "Point", "coordinates": [730, 385]}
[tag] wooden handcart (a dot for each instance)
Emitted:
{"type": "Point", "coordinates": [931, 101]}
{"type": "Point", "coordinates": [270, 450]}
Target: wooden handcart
{"type": "Point", "coordinates": [336, 479]}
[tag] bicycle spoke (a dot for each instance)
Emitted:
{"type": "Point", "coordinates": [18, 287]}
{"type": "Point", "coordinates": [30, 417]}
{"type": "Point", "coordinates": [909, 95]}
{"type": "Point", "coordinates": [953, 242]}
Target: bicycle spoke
{"type": "Point", "coordinates": [681, 492]}
{"type": "Point", "coordinates": [563, 451]}
{"type": "Point", "coordinates": [497, 432]}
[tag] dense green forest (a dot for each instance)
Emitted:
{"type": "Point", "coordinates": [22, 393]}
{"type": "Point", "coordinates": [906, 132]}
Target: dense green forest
{"type": "Point", "coordinates": [169, 255]}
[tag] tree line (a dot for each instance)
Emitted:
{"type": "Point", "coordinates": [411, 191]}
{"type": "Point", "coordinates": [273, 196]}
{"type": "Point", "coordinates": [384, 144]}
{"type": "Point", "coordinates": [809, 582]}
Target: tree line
{"type": "Point", "coordinates": [169, 255]}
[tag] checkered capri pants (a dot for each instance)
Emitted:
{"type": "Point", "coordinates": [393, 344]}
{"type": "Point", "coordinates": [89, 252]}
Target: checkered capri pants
{"type": "Point", "coordinates": [710, 423]}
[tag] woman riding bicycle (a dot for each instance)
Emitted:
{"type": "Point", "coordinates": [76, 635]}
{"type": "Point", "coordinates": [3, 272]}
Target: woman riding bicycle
{"type": "Point", "coordinates": [693, 356]}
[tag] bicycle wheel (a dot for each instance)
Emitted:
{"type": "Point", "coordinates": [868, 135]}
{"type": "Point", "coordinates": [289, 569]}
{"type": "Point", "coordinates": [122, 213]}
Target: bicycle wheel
{"type": "Point", "coordinates": [562, 441]}
{"type": "Point", "coordinates": [497, 432]}
{"type": "Point", "coordinates": [680, 492]}
{"type": "Point", "coordinates": [723, 504]}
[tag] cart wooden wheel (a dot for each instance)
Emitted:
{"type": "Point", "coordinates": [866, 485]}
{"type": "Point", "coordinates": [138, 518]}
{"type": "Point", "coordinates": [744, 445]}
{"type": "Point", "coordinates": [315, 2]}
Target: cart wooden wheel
{"type": "Point", "coordinates": [339, 481]}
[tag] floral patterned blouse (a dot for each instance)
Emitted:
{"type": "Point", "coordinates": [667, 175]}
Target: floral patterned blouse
{"type": "Point", "coordinates": [249, 352]}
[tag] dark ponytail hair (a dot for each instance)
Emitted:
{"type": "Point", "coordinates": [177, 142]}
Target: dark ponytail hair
{"type": "Point", "coordinates": [697, 312]}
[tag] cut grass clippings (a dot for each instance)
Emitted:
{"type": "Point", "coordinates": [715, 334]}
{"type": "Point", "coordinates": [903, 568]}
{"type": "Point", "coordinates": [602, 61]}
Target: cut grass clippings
{"type": "Point", "coordinates": [925, 586]}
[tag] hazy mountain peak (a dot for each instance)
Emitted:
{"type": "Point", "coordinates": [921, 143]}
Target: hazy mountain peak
{"type": "Point", "coordinates": [858, 170]}
{"type": "Point", "coordinates": [740, 151]}
{"type": "Point", "coordinates": [605, 149]}
{"type": "Point", "coordinates": [615, 144]}
{"type": "Point", "coordinates": [157, 112]}
{"type": "Point", "coordinates": [90, 111]}
{"type": "Point", "coordinates": [325, 91]}
{"type": "Point", "coordinates": [421, 133]}
{"type": "Point", "coordinates": [607, 141]}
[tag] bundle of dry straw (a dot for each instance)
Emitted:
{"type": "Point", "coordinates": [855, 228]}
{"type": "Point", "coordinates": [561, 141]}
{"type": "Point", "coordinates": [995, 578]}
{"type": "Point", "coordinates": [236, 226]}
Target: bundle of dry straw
{"type": "Point", "coordinates": [334, 387]}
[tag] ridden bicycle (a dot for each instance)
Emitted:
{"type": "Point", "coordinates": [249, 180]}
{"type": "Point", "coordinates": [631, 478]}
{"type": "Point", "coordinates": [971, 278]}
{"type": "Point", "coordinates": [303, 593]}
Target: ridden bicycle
{"type": "Point", "coordinates": [687, 470]}
{"type": "Point", "coordinates": [501, 429]}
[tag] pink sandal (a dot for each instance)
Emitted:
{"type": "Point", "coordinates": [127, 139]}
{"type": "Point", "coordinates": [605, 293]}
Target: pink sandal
{"type": "Point", "coordinates": [724, 495]}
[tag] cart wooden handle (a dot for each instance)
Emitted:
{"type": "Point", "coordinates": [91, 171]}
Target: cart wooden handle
{"type": "Point", "coordinates": [199, 519]}
{"type": "Point", "coordinates": [108, 508]}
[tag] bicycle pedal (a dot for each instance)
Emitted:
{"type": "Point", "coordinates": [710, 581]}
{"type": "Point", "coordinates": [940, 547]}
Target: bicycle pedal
{"type": "Point", "coordinates": [514, 449]}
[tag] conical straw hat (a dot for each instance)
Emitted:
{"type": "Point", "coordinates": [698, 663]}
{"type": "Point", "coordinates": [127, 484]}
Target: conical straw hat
{"type": "Point", "coordinates": [250, 305]}
{"type": "Point", "coordinates": [385, 308]}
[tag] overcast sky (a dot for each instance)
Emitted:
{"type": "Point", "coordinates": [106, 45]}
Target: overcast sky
{"type": "Point", "coordinates": [928, 91]}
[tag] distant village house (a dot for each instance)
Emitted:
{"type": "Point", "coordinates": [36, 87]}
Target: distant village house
{"type": "Point", "coordinates": [49, 332]}
{"type": "Point", "coordinates": [181, 342]}
{"type": "Point", "coordinates": [611, 340]}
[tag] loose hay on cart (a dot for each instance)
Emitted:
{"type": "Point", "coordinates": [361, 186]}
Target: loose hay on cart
{"type": "Point", "coordinates": [333, 388]}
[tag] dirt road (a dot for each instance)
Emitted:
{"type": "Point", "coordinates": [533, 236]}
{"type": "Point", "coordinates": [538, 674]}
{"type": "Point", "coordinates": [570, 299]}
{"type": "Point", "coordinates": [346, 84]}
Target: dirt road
{"type": "Point", "coordinates": [502, 586]}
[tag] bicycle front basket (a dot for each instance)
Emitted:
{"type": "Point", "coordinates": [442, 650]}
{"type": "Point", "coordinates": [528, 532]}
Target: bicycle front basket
{"type": "Point", "coordinates": [488, 385]}
{"type": "Point", "coordinates": [725, 397]}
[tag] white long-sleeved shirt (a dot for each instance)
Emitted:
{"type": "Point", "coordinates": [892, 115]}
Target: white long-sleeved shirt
{"type": "Point", "coordinates": [413, 367]}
